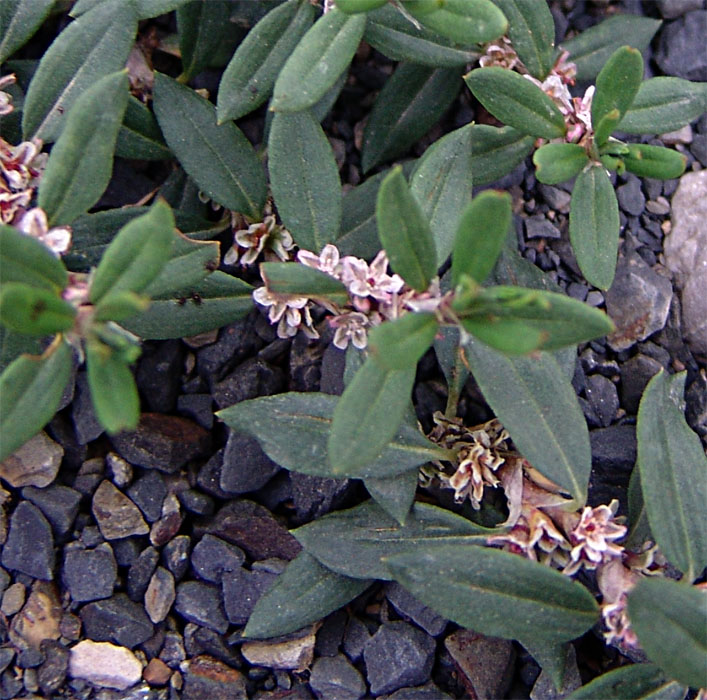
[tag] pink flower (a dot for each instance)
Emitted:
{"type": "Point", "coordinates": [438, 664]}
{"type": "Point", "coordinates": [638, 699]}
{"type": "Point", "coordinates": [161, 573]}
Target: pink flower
{"type": "Point", "coordinates": [350, 327]}
{"type": "Point", "coordinates": [266, 236]}
{"type": "Point", "coordinates": [291, 313]}
{"type": "Point", "coordinates": [34, 224]}
{"type": "Point", "coordinates": [372, 280]}
{"type": "Point", "coordinates": [500, 53]}
{"type": "Point", "coordinates": [327, 261]}
{"type": "Point", "coordinates": [6, 106]}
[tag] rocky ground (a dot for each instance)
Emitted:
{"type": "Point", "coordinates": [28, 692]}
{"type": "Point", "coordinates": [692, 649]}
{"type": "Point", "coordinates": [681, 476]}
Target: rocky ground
{"type": "Point", "coordinates": [138, 559]}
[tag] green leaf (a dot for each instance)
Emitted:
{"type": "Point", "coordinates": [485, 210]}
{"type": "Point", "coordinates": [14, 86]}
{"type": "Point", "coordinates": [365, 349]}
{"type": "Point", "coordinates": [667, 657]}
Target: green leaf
{"type": "Point", "coordinates": [662, 105]}
{"type": "Point", "coordinates": [136, 255]}
{"type": "Point", "coordinates": [354, 6]}
{"type": "Point", "coordinates": [672, 464]}
{"type": "Point", "coordinates": [447, 349]}
{"type": "Point", "coordinates": [293, 430]}
{"type": "Point", "coordinates": [441, 184]}
{"type": "Point", "coordinates": [480, 236]}
{"type": "Point", "coordinates": [634, 682]}
{"type": "Point", "coordinates": [145, 8]}
{"type": "Point", "coordinates": [594, 226]}
{"type": "Point", "coordinates": [522, 320]}
{"type": "Point", "coordinates": [368, 415]}
{"type": "Point", "coordinates": [394, 494]}
{"type": "Point", "coordinates": [234, 177]}
{"type": "Point", "coordinates": [388, 31]}
{"type": "Point", "coordinates": [81, 163]}
{"type": "Point", "coordinates": [591, 49]}
{"type": "Point", "coordinates": [303, 593]}
{"type": "Point", "coordinates": [140, 136]}
{"type": "Point", "coordinates": [113, 391]}
{"type": "Point", "coordinates": [249, 77]}
{"type": "Point", "coordinates": [304, 179]}
{"type": "Point", "coordinates": [120, 305]}
{"type": "Point", "coordinates": [516, 102]}
{"type": "Point", "coordinates": [202, 27]}
{"type": "Point", "coordinates": [670, 620]}
{"type": "Point", "coordinates": [412, 100]}
{"type": "Point", "coordinates": [496, 593]}
{"type": "Point", "coordinates": [654, 161]}
{"type": "Point", "coordinates": [30, 390]}
{"type": "Point", "coordinates": [321, 56]}
{"type": "Point", "coordinates": [535, 402]}
{"type": "Point", "coordinates": [300, 280]}
{"type": "Point", "coordinates": [640, 530]}
{"type": "Point", "coordinates": [19, 20]}
{"type": "Point", "coordinates": [12, 345]}
{"type": "Point", "coordinates": [495, 152]}
{"type": "Point", "coordinates": [559, 162]}
{"type": "Point", "coordinates": [401, 343]}
{"type": "Point", "coordinates": [531, 29]}
{"type": "Point", "coordinates": [25, 259]}
{"type": "Point", "coordinates": [616, 86]}
{"type": "Point", "coordinates": [216, 301]}
{"type": "Point", "coordinates": [90, 48]}
{"type": "Point", "coordinates": [34, 310]}
{"type": "Point", "coordinates": [467, 22]}
{"type": "Point", "coordinates": [368, 535]}
{"type": "Point", "coordinates": [557, 660]}
{"type": "Point", "coordinates": [405, 233]}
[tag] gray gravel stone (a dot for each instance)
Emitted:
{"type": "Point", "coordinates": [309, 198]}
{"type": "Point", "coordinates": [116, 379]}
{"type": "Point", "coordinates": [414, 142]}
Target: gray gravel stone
{"type": "Point", "coordinates": [603, 398]}
{"type": "Point", "coordinates": [13, 599]}
{"type": "Point", "coordinates": [117, 620]}
{"type": "Point", "coordinates": [59, 504]}
{"type": "Point", "coordinates": [410, 607]}
{"type": "Point", "coordinates": [630, 196]}
{"type": "Point", "coordinates": [198, 407]}
{"type": "Point", "coordinates": [429, 691]}
{"type": "Point", "coordinates": [158, 373]}
{"type": "Point", "coordinates": [117, 516]}
{"type": "Point", "coordinates": [213, 556]}
{"type": "Point", "coordinates": [241, 591]}
{"type": "Point", "coordinates": [355, 638]}
{"type": "Point", "coordinates": [635, 375]}
{"type": "Point", "coordinates": [90, 574]}
{"type": "Point", "coordinates": [36, 463]}
{"type": "Point", "coordinates": [52, 673]}
{"type": "Point", "coordinates": [86, 424]}
{"type": "Point", "coordinates": [398, 655]}
{"type": "Point", "coordinates": [175, 556]}
{"type": "Point", "coordinates": [29, 547]}
{"type": "Point", "coordinates": [254, 377]}
{"type": "Point", "coordinates": [140, 573]}
{"type": "Point", "coordinates": [335, 677]}
{"type": "Point", "coordinates": [201, 603]}
{"type": "Point", "coordinates": [245, 466]}
{"type": "Point", "coordinates": [681, 49]}
{"type": "Point", "coordinates": [539, 227]}
{"type": "Point", "coordinates": [670, 9]}
{"type": "Point", "coordinates": [159, 595]}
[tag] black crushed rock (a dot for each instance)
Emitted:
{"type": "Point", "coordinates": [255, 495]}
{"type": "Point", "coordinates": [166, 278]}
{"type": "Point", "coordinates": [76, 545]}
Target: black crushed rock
{"type": "Point", "coordinates": [140, 573]}
{"type": "Point", "coordinates": [148, 493]}
{"type": "Point", "coordinates": [241, 591]}
{"type": "Point", "coordinates": [212, 557]}
{"type": "Point", "coordinates": [201, 603]}
{"type": "Point", "coordinates": [29, 547]}
{"type": "Point", "coordinates": [335, 677]}
{"type": "Point", "coordinates": [52, 672]}
{"type": "Point", "coordinates": [411, 608]}
{"type": "Point", "coordinates": [59, 505]}
{"type": "Point", "coordinates": [206, 677]}
{"type": "Point", "coordinates": [118, 620]}
{"type": "Point", "coordinates": [245, 466]}
{"type": "Point", "coordinates": [175, 556]}
{"type": "Point", "coordinates": [681, 46]}
{"type": "Point", "coordinates": [89, 574]}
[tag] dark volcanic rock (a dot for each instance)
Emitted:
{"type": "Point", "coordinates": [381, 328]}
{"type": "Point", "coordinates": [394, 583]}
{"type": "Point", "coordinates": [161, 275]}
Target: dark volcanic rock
{"type": "Point", "coordinates": [681, 51]}
{"type": "Point", "coordinates": [335, 677]}
{"type": "Point", "coordinates": [206, 677]}
{"type": "Point", "coordinates": [117, 620]}
{"type": "Point", "coordinates": [201, 603]}
{"type": "Point", "coordinates": [241, 591]}
{"type": "Point", "coordinates": [603, 398]}
{"type": "Point", "coordinates": [398, 655]}
{"type": "Point", "coordinates": [148, 492]}
{"type": "Point", "coordinates": [30, 544]}
{"type": "Point", "coordinates": [59, 504]}
{"type": "Point", "coordinates": [630, 196]}
{"type": "Point", "coordinates": [314, 496]}
{"type": "Point", "coordinates": [90, 574]}
{"type": "Point", "coordinates": [253, 378]}
{"type": "Point", "coordinates": [140, 573]}
{"type": "Point", "coordinates": [198, 407]}
{"type": "Point", "coordinates": [213, 556]}
{"type": "Point", "coordinates": [245, 466]}
{"type": "Point", "coordinates": [158, 374]}
{"type": "Point", "coordinates": [614, 452]}
{"type": "Point", "coordinates": [86, 424]}
{"type": "Point", "coordinates": [409, 606]}
{"type": "Point", "coordinates": [163, 442]}
{"type": "Point", "coordinates": [52, 673]}
{"type": "Point", "coordinates": [175, 555]}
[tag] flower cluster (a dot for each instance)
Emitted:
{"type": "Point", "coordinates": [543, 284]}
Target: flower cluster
{"type": "Point", "coordinates": [20, 170]}
{"type": "Point", "coordinates": [374, 296]}
{"type": "Point", "coordinates": [6, 106]}
{"type": "Point", "coordinates": [265, 237]}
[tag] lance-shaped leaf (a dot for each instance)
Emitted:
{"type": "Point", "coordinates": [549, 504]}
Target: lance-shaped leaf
{"type": "Point", "coordinates": [495, 592]}
{"type": "Point", "coordinates": [354, 6]}
{"type": "Point", "coordinates": [216, 301]}
{"type": "Point", "coordinates": [405, 233]}
{"type": "Point", "coordinates": [395, 494]}
{"type": "Point", "coordinates": [441, 183]}
{"type": "Point", "coordinates": [136, 255]}
{"type": "Point", "coordinates": [113, 391]}
{"type": "Point", "coordinates": [480, 235]}
{"type": "Point", "coordinates": [531, 30]}
{"type": "Point", "coordinates": [19, 20]}
{"type": "Point", "coordinates": [95, 45]}
{"type": "Point", "coordinates": [664, 104]}
{"type": "Point", "coordinates": [145, 8]}
{"type": "Point", "coordinates": [401, 343]}
{"type": "Point", "coordinates": [368, 415]}
{"type": "Point", "coordinates": [591, 49]}
{"type": "Point", "coordinates": [321, 56]}
{"type": "Point", "coordinates": [640, 530]}
{"type": "Point", "coordinates": [672, 464]}
{"type": "Point", "coordinates": [12, 345]}
{"type": "Point", "coordinates": [25, 259]}
{"type": "Point", "coordinates": [293, 430]}
{"type": "Point", "coordinates": [300, 280]}
{"type": "Point", "coordinates": [30, 391]}
{"type": "Point", "coordinates": [411, 101]}
{"type": "Point", "coordinates": [654, 161]}
{"type": "Point", "coordinates": [304, 179]}
{"type": "Point", "coordinates": [391, 33]}
{"type": "Point", "coordinates": [368, 535]}
{"type": "Point", "coordinates": [34, 310]}
{"type": "Point", "coordinates": [202, 27]}
{"type": "Point", "coordinates": [250, 75]}
{"type": "Point", "coordinates": [466, 22]}
{"type": "Point", "coordinates": [594, 226]}
{"type": "Point", "coordinates": [670, 620]}
{"type": "Point", "coordinates": [120, 305]}
{"type": "Point", "coordinates": [556, 320]}
{"type": "Point", "coordinates": [633, 682]}
{"type": "Point", "coordinates": [303, 593]}
{"type": "Point", "coordinates": [516, 102]}
{"type": "Point", "coordinates": [616, 86]}
{"type": "Point", "coordinates": [234, 177]}
{"type": "Point", "coordinates": [559, 162]}
{"type": "Point", "coordinates": [140, 136]}
{"type": "Point", "coordinates": [495, 152]}
{"type": "Point", "coordinates": [535, 402]}
{"type": "Point", "coordinates": [81, 162]}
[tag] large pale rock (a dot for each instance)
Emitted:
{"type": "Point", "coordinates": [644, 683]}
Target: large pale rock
{"type": "Point", "coordinates": [104, 664]}
{"type": "Point", "coordinates": [686, 255]}
{"type": "Point", "coordinates": [296, 653]}
{"type": "Point", "coordinates": [36, 463]}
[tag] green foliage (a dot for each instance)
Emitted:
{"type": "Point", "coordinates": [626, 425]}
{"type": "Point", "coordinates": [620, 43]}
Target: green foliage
{"type": "Point", "coordinates": [19, 20]}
